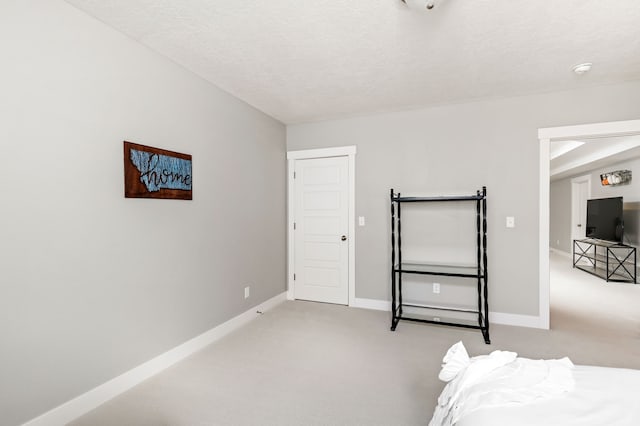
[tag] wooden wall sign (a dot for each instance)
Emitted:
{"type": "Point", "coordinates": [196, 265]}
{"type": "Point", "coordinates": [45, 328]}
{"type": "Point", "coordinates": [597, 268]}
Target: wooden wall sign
{"type": "Point", "coordinates": [156, 173]}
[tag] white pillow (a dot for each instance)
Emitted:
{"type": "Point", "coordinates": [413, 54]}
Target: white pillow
{"type": "Point", "coordinates": [455, 360]}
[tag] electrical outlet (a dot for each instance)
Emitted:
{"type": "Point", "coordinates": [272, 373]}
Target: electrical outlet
{"type": "Point", "coordinates": [557, 242]}
{"type": "Point", "coordinates": [436, 288]}
{"type": "Point", "coordinates": [360, 220]}
{"type": "Point", "coordinates": [247, 292]}
{"type": "Point", "coordinates": [511, 222]}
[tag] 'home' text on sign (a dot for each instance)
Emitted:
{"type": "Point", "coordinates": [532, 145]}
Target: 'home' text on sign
{"type": "Point", "coordinates": [156, 173]}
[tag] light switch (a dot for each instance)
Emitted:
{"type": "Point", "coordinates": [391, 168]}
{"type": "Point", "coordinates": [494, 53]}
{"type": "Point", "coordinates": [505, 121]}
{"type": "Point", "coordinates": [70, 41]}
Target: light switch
{"type": "Point", "coordinates": [361, 220]}
{"type": "Point", "coordinates": [511, 222]}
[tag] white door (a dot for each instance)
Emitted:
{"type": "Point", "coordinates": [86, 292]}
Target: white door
{"type": "Point", "coordinates": [321, 216]}
{"type": "Point", "coordinates": [580, 190]}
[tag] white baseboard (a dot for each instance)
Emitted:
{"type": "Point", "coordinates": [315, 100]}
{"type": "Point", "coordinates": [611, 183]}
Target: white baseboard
{"type": "Point", "coordinates": [516, 320]}
{"type": "Point", "coordinates": [376, 304]}
{"type": "Point", "coordinates": [86, 402]}
{"type": "Point", "coordinates": [494, 317]}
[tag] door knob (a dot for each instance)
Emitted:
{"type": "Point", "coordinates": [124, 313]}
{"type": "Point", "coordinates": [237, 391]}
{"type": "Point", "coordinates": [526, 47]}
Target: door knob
{"type": "Point", "coordinates": [343, 238]}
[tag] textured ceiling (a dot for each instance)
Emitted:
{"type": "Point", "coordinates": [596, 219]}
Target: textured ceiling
{"type": "Point", "coordinates": [302, 60]}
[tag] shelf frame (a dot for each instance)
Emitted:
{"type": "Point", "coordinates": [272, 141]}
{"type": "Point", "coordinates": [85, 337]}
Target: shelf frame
{"type": "Point", "coordinates": [432, 269]}
{"type": "Point", "coordinates": [477, 271]}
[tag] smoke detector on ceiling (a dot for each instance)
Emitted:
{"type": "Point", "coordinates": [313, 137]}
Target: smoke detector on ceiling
{"type": "Point", "coordinates": [582, 68]}
{"type": "Point", "coordinates": [420, 4]}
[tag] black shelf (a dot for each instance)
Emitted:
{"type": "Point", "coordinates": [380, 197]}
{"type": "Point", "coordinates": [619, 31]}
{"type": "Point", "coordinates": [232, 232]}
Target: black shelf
{"type": "Point", "coordinates": [477, 271]}
{"type": "Point", "coordinates": [441, 307]}
{"type": "Point", "coordinates": [443, 321]}
{"type": "Point", "coordinates": [439, 198]}
{"type": "Point", "coordinates": [465, 271]}
{"type": "Point", "coordinates": [608, 260]}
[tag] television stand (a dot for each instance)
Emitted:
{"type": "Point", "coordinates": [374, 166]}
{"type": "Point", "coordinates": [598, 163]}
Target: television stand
{"type": "Point", "coordinates": [608, 260]}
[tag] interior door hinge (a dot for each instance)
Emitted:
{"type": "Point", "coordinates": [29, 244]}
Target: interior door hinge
{"type": "Point", "coordinates": [294, 277]}
{"type": "Point", "coordinates": [294, 226]}
{"type": "Point", "coordinates": [294, 175]}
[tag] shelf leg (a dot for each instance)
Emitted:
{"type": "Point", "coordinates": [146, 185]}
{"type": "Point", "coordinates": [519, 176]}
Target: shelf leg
{"type": "Point", "coordinates": [394, 323]}
{"type": "Point", "coordinates": [393, 263]}
{"type": "Point", "coordinates": [485, 264]}
{"type": "Point", "coordinates": [487, 340]}
{"type": "Point", "coordinates": [399, 221]}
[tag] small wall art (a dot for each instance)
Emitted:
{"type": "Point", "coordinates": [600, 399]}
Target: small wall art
{"type": "Point", "coordinates": [156, 173]}
{"type": "Point", "coordinates": [619, 177]}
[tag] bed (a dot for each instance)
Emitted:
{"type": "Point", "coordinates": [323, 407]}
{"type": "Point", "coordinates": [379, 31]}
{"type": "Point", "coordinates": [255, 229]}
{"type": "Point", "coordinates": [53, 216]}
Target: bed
{"type": "Point", "coordinates": [502, 389]}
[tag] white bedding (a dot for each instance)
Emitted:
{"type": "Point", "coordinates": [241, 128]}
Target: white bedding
{"type": "Point", "coordinates": [602, 396]}
{"type": "Point", "coordinates": [502, 390]}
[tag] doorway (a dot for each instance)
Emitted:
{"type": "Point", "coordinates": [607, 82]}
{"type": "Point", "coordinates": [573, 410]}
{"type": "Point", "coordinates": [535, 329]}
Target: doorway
{"type": "Point", "coordinates": [546, 136]}
{"type": "Point", "coordinates": [321, 225]}
{"type": "Point", "coordinates": [580, 193]}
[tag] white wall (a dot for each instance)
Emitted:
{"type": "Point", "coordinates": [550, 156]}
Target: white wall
{"type": "Point", "coordinates": [93, 284]}
{"type": "Point", "coordinates": [458, 148]}
{"type": "Point", "coordinates": [560, 205]}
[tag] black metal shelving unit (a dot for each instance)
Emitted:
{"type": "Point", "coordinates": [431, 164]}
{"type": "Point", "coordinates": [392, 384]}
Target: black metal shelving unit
{"type": "Point", "coordinates": [608, 260]}
{"type": "Point", "coordinates": [477, 272]}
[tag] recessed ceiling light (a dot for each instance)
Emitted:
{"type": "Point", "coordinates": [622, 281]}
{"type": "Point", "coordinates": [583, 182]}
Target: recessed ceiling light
{"type": "Point", "coordinates": [582, 68]}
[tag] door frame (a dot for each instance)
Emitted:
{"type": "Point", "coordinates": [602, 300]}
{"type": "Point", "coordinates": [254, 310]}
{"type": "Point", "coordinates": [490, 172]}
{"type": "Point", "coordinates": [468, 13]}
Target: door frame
{"type": "Point", "coordinates": [545, 137]}
{"type": "Point", "coordinates": [574, 206]}
{"type": "Point", "coordinates": [306, 154]}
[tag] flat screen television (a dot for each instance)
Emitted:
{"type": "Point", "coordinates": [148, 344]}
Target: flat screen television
{"type": "Point", "coordinates": [604, 219]}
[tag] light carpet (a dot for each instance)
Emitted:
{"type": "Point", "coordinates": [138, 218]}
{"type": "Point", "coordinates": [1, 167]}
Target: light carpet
{"type": "Point", "coordinates": [306, 363]}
